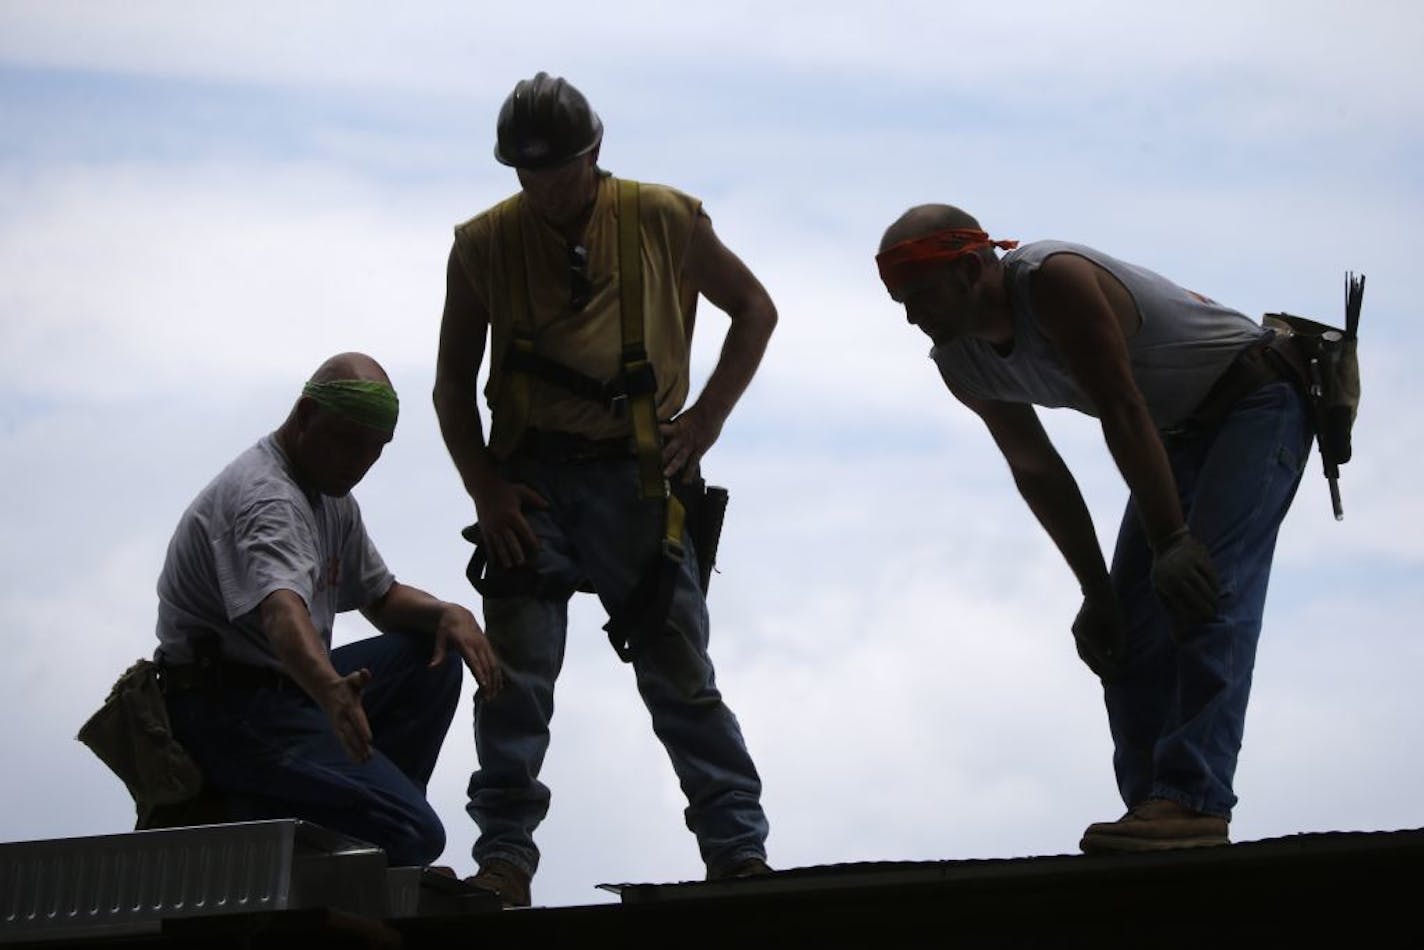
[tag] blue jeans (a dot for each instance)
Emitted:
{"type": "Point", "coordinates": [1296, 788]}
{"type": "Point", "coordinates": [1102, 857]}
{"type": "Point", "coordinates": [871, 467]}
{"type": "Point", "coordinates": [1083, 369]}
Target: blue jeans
{"type": "Point", "coordinates": [273, 754]}
{"type": "Point", "coordinates": [597, 529]}
{"type": "Point", "coordinates": [1179, 711]}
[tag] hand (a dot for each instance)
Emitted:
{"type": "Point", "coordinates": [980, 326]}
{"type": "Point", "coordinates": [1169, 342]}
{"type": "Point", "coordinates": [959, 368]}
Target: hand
{"type": "Point", "coordinates": [459, 627]}
{"type": "Point", "coordinates": [1185, 580]}
{"type": "Point", "coordinates": [500, 509]}
{"type": "Point", "coordinates": [687, 438]}
{"type": "Point", "coordinates": [1100, 635]}
{"type": "Point", "coordinates": [341, 701]}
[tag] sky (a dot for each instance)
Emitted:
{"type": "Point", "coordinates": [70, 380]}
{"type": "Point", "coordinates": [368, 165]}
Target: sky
{"type": "Point", "coordinates": [201, 201]}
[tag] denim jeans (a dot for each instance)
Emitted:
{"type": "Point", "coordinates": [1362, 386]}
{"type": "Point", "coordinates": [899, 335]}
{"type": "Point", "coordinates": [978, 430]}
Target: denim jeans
{"type": "Point", "coordinates": [1179, 711]}
{"type": "Point", "coordinates": [273, 754]}
{"type": "Point", "coordinates": [598, 529]}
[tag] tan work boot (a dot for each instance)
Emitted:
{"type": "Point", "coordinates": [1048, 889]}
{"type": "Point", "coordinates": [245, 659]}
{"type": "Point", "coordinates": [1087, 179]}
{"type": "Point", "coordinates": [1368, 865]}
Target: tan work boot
{"type": "Point", "coordinates": [748, 867]}
{"type": "Point", "coordinates": [1155, 825]}
{"type": "Point", "coordinates": [509, 881]}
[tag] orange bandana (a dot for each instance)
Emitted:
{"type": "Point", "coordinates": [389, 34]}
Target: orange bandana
{"type": "Point", "coordinates": [903, 263]}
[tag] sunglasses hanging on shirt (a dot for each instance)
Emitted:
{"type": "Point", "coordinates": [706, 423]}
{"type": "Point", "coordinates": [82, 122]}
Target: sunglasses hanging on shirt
{"type": "Point", "coordinates": [580, 287]}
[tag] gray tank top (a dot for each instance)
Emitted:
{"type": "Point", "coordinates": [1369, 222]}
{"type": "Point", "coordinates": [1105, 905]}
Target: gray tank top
{"type": "Point", "coordinates": [1185, 342]}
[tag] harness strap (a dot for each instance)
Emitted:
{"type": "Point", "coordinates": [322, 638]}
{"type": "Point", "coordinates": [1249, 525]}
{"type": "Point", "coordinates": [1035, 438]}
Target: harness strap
{"type": "Point", "coordinates": [513, 416]}
{"type": "Point", "coordinates": [635, 355]}
{"type": "Point", "coordinates": [613, 394]}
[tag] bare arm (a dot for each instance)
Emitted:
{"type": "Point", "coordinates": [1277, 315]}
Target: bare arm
{"type": "Point", "coordinates": [404, 608]}
{"type": "Point", "coordinates": [288, 626]}
{"type": "Point", "coordinates": [498, 502]}
{"type": "Point", "coordinates": [721, 277]}
{"type": "Point", "coordinates": [1046, 484]}
{"type": "Point", "coordinates": [1052, 495]}
{"type": "Point", "coordinates": [1076, 316]}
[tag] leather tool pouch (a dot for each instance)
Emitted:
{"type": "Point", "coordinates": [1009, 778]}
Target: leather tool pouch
{"type": "Point", "coordinates": [1329, 360]}
{"type": "Point", "coordinates": [706, 510]}
{"type": "Point", "coordinates": [132, 735]}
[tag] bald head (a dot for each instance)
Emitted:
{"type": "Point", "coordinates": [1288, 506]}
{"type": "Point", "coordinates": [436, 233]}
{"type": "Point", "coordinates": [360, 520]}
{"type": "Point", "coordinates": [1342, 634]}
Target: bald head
{"type": "Point", "coordinates": [926, 219]}
{"type": "Point", "coordinates": [350, 366]}
{"type": "Point", "coordinates": [339, 425]}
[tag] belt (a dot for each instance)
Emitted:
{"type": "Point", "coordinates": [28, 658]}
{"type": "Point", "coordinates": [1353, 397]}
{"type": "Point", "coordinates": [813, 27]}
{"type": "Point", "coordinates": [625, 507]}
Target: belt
{"type": "Point", "coordinates": [550, 446]}
{"type": "Point", "coordinates": [1264, 361]}
{"type": "Point", "coordinates": [207, 676]}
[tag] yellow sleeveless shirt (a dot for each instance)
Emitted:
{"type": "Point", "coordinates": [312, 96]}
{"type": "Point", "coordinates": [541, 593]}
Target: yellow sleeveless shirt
{"type": "Point", "coordinates": [588, 340]}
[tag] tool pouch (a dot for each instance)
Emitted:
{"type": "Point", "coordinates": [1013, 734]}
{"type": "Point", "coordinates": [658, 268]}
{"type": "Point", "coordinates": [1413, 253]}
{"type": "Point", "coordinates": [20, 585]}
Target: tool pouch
{"type": "Point", "coordinates": [1328, 358]}
{"type": "Point", "coordinates": [706, 510]}
{"type": "Point", "coordinates": [132, 735]}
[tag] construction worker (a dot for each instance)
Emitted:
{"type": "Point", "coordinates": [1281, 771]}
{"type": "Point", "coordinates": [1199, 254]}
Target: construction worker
{"type": "Point", "coordinates": [587, 286]}
{"type": "Point", "coordinates": [1200, 413]}
{"type": "Point", "coordinates": [281, 725]}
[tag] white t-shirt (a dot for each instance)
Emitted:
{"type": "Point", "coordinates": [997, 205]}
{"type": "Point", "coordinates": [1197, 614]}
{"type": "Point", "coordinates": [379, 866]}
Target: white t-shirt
{"type": "Point", "coordinates": [250, 532]}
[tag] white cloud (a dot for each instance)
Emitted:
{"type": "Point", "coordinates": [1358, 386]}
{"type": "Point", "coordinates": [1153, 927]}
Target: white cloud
{"type": "Point", "coordinates": [889, 623]}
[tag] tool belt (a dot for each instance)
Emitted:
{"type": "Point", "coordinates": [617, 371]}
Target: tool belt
{"type": "Point", "coordinates": [1267, 360]}
{"type": "Point", "coordinates": [209, 675]}
{"type": "Point", "coordinates": [560, 447]}
{"type": "Point", "coordinates": [1321, 360]}
{"type": "Point", "coordinates": [704, 506]}
{"type": "Point", "coordinates": [1330, 374]}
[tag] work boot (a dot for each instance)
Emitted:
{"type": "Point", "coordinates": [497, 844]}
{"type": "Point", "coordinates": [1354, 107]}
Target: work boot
{"type": "Point", "coordinates": [747, 867]}
{"type": "Point", "coordinates": [1155, 825]}
{"type": "Point", "coordinates": [509, 881]}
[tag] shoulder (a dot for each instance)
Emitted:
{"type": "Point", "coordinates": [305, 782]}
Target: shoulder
{"type": "Point", "coordinates": [658, 201]}
{"type": "Point", "coordinates": [475, 232]}
{"type": "Point", "coordinates": [667, 197]}
{"type": "Point", "coordinates": [258, 481]}
{"type": "Point", "coordinates": [1054, 271]}
{"type": "Point", "coordinates": [1031, 257]}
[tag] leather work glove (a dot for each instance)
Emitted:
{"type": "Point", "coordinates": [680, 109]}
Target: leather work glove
{"type": "Point", "coordinates": [1185, 580]}
{"type": "Point", "coordinates": [1099, 633]}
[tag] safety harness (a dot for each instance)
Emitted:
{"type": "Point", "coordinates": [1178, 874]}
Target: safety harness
{"type": "Point", "coordinates": [630, 394]}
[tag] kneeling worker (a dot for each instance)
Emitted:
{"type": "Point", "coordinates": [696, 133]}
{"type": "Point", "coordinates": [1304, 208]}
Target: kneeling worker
{"type": "Point", "coordinates": [261, 562]}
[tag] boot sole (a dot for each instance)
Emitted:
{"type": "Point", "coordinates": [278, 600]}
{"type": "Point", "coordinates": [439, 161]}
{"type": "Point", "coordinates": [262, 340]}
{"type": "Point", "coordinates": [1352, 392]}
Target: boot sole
{"type": "Point", "coordinates": [1110, 844]}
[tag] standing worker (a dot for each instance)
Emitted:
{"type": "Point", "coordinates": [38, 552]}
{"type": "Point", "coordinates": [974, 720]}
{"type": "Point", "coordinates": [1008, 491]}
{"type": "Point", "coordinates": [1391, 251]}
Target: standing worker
{"type": "Point", "coordinates": [1201, 413]}
{"type": "Point", "coordinates": [587, 286]}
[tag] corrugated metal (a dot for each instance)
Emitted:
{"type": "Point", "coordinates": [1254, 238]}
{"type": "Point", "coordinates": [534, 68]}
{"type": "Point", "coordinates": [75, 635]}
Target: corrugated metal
{"type": "Point", "coordinates": [129, 883]}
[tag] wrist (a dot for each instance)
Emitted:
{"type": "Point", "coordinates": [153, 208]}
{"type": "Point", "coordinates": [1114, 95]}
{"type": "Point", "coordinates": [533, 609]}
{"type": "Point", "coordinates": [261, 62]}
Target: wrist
{"type": "Point", "coordinates": [1168, 541]}
{"type": "Point", "coordinates": [1097, 586]}
{"type": "Point", "coordinates": [711, 409]}
{"type": "Point", "coordinates": [453, 616]}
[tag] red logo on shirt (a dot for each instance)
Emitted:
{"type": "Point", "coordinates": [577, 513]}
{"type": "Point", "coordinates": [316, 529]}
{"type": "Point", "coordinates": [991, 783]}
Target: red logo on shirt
{"type": "Point", "coordinates": [331, 575]}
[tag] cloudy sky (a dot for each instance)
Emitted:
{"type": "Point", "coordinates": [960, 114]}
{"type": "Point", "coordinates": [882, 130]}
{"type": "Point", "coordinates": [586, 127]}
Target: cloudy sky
{"type": "Point", "coordinates": [201, 201]}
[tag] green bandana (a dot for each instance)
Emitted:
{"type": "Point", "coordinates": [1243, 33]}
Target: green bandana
{"type": "Point", "coordinates": [363, 401]}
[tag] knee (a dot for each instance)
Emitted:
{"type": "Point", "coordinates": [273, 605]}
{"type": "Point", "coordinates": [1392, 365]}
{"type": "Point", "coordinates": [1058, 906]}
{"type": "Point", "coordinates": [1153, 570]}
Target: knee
{"type": "Point", "coordinates": [420, 843]}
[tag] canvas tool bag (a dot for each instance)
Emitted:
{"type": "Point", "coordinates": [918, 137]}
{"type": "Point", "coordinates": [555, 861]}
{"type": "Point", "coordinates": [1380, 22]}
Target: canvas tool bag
{"type": "Point", "coordinates": [132, 735]}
